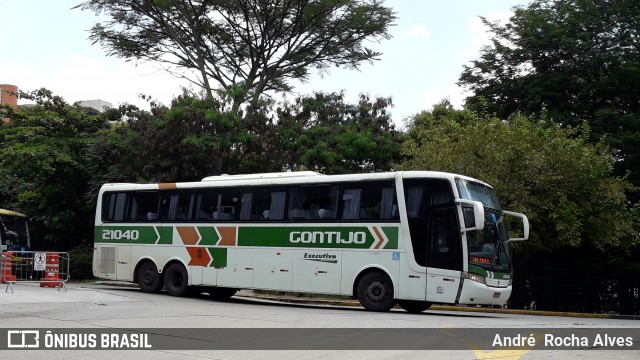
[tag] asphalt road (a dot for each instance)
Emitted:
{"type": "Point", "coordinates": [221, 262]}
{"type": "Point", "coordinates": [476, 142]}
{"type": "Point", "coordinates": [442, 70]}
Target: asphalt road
{"type": "Point", "coordinates": [103, 308]}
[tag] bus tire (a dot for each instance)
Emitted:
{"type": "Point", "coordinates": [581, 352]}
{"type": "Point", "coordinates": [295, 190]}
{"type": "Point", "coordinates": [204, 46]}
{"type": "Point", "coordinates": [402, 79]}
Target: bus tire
{"type": "Point", "coordinates": [221, 293]}
{"type": "Point", "coordinates": [414, 307]}
{"type": "Point", "coordinates": [375, 292]}
{"type": "Point", "coordinates": [176, 280]}
{"type": "Point", "coordinates": [149, 280]}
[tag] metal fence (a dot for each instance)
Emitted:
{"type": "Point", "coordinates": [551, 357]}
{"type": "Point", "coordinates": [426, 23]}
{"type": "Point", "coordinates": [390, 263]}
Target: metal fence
{"type": "Point", "coordinates": [49, 269]}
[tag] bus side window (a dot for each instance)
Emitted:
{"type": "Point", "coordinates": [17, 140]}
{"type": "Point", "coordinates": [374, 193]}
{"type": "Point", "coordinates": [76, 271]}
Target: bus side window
{"type": "Point", "coordinates": [205, 204]}
{"type": "Point", "coordinates": [314, 202]}
{"type": "Point", "coordinates": [174, 207]}
{"type": "Point", "coordinates": [144, 203]}
{"type": "Point", "coordinates": [369, 201]}
{"type": "Point", "coordinates": [263, 204]}
{"type": "Point", "coordinates": [351, 204]}
{"type": "Point", "coordinates": [116, 206]}
{"type": "Point", "coordinates": [226, 205]}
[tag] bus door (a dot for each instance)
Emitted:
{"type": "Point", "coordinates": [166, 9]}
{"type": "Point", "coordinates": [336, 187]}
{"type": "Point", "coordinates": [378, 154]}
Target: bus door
{"type": "Point", "coordinates": [444, 256]}
{"type": "Point", "coordinates": [435, 236]}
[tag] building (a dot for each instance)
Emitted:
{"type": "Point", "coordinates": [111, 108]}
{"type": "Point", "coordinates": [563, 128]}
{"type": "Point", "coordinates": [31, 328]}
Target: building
{"type": "Point", "coordinates": [99, 105]}
{"type": "Point", "coordinates": [8, 96]}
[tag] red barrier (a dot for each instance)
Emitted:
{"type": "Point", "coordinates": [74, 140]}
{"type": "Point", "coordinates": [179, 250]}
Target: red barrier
{"type": "Point", "coordinates": [52, 273]}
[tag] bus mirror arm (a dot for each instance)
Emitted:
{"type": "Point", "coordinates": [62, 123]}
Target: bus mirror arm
{"type": "Point", "coordinates": [478, 214]}
{"type": "Point", "coordinates": [525, 225]}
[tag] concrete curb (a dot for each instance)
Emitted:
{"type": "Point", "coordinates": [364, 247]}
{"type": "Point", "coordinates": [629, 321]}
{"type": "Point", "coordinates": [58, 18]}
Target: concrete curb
{"type": "Point", "coordinates": [354, 303]}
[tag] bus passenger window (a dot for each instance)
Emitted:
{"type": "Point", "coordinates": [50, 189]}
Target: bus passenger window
{"type": "Point", "coordinates": [226, 203]}
{"type": "Point", "coordinates": [369, 201]}
{"type": "Point", "coordinates": [176, 207]}
{"type": "Point", "coordinates": [116, 206]}
{"type": "Point", "coordinates": [144, 202]}
{"type": "Point", "coordinates": [317, 202]}
{"type": "Point", "coordinates": [262, 204]}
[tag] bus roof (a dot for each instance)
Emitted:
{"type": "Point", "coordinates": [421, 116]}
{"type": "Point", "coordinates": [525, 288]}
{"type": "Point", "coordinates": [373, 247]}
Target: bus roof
{"type": "Point", "coordinates": [286, 178]}
{"type": "Point", "coordinates": [11, 213]}
{"type": "Point", "coordinates": [273, 175]}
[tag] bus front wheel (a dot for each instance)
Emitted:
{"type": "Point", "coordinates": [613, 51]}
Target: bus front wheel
{"type": "Point", "coordinates": [375, 292]}
{"type": "Point", "coordinates": [149, 279]}
{"type": "Point", "coordinates": [175, 280]}
{"type": "Point", "coordinates": [414, 307]}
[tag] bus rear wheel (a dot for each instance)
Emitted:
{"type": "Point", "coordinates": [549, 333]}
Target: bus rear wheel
{"type": "Point", "coordinates": [414, 307]}
{"type": "Point", "coordinates": [149, 279]}
{"type": "Point", "coordinates": [221, 293]}
{"type": "Point", "coordinates": [375, 292]}
{"type": "Point", "coordinates": [176, 280]}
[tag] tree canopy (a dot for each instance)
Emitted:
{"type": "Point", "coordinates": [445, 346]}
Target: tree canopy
{"type": "Point", "coordinates": [565, 187]}
{"type": "Point", "coordinates": [42, 168]}
{"type": "Point", "coordinates": [324, 133]}
{"type": "Point", "coordinates": [245, 46]}
{"type": "Point", "coordinates": [576, 60]}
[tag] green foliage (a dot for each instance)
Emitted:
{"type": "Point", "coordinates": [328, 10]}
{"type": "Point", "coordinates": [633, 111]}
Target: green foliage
{"type": "Point", "coordinates": [324, 133]}
{"type": "Point", "coordinates": [184, 142]}
{"type": "Point", "coordinates": [80, 262]}
{"type": "Point", "coordinates": [551, 173]}
{"type": "Point", "coordinates": [42, 169]}
{"type": "Point", "coordinates": [576, 59]}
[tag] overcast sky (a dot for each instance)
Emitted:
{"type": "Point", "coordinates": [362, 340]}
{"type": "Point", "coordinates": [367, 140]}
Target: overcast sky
{"type": "Point", "coordinates": [44, 44]}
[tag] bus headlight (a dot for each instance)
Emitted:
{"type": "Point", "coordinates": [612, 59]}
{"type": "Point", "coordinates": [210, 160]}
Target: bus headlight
{"type": "Point", "coordinates": [476, 277]}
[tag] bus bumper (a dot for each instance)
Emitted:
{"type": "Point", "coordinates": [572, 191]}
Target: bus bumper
{"type": "Point", "coordinates": [475, 293]}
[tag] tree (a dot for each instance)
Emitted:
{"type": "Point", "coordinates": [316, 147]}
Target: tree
{"type": "Point", "coordinates": [324, 133]}
{"type": "Point", "coordinates": [551, 173]}
{"type": "Point", "coordinates": [577, 208]}
{"type": "Point", "coordinates": [187, 141]}
{"type": "Point", "coordinates": [246, 46]}
{"type": "Point", "coordinates": [578, 60]}
{"type": "Point", "coordinates": [42, 168]}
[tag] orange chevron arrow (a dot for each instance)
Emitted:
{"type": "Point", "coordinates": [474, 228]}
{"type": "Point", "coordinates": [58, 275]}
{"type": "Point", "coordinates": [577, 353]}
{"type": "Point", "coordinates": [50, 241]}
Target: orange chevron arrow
{"type": "Point", "coordinates": [199, 256]}
{"type": "Point", "coordinates": [188, 234]}
{"type": "Point", "coordinates": [227, 236]}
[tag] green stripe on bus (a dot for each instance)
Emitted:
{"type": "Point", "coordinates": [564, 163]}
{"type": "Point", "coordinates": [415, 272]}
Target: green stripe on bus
{"type": "Point", "coordinates": [166, 235]}
{"type": "Point", "coordinates": [350, 237]}
{"type": "Point", "coordinates": [126, 234]}
{"type": "Point", "coordinates": [496, 275]}
{"type": "Point", "coordinates": [219, 256]}
{"type": "Point", "coordinates": [353, 237]}
{"type": "Point", "coordinates": [209, 235]}
{"type": "Point", "coordinates": [392, 234]}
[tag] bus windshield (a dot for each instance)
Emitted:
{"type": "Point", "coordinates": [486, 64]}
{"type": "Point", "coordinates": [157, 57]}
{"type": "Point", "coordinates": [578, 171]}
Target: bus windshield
{"type": "Point", "coordinates": [470, 190]}
{"type": "Point", "coordinates": [488, 248]}
{"type": "Point", "coordinates": [14, 231]}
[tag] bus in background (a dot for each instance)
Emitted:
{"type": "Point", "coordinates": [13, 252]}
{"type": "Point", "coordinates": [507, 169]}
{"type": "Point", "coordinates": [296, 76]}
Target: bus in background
{"type": "Point", "coordinates": [411, 238]}
{"type": "Point", "coordinates": [14, 231]}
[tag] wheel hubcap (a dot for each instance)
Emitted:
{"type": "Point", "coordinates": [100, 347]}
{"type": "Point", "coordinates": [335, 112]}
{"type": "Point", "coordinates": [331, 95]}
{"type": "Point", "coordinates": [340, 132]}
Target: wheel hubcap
{"type": "Point", "coordinates": [376, 291]}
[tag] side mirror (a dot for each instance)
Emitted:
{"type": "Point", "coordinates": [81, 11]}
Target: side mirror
{"type": "Point", "coordinates": [525, 225]}
{"type": "Point", "coordinates": [478, 214]}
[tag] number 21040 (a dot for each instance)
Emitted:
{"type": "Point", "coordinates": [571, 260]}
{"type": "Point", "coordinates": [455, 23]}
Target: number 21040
{"type": "Point", "coordinates": [120, 234]}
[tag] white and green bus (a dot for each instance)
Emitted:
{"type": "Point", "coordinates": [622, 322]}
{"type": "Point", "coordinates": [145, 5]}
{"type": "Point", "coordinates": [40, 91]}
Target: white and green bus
{"type": "Point", "coordinates": [413, 238]}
